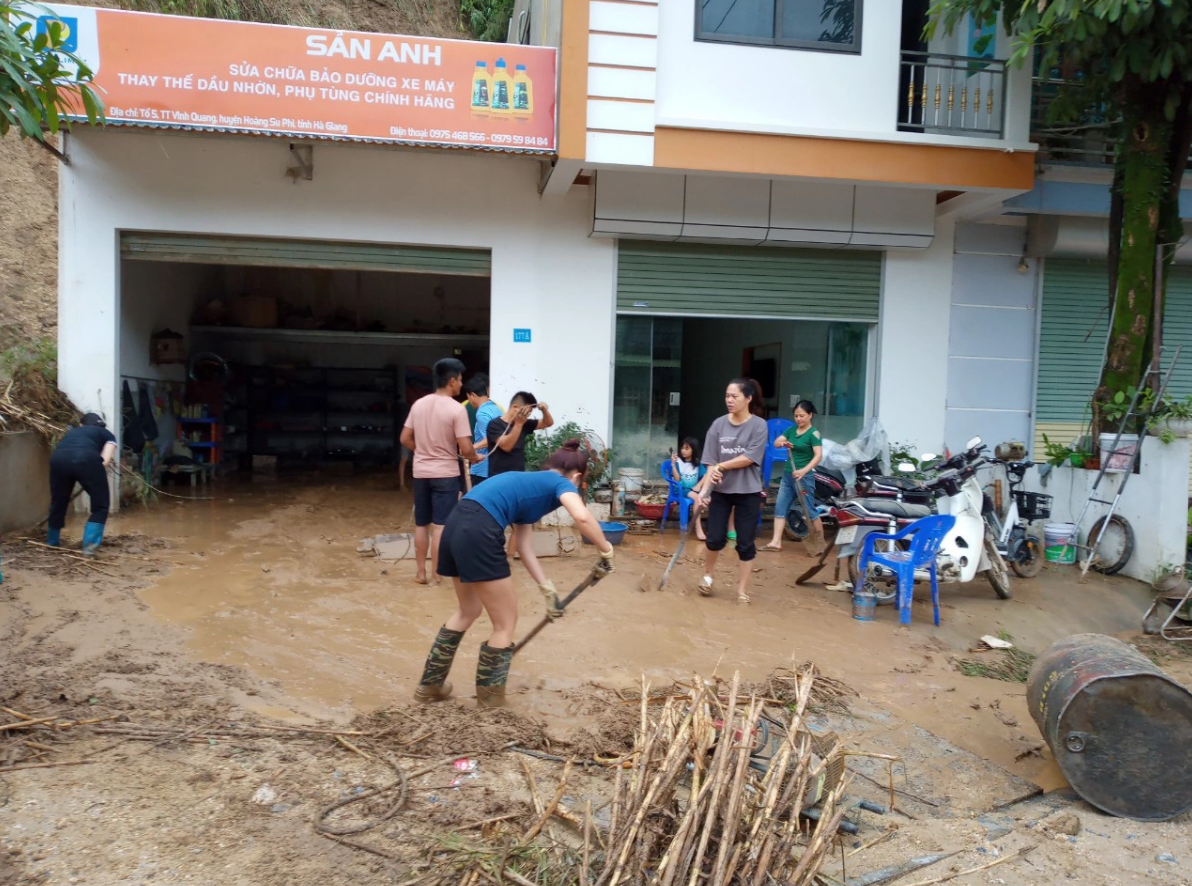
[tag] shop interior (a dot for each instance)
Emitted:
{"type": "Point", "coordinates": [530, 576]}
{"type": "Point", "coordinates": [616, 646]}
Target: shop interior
{"type": "Point", "coordinates": [671, 374]}
{"type": "Point", "coordinates": [264, 368]}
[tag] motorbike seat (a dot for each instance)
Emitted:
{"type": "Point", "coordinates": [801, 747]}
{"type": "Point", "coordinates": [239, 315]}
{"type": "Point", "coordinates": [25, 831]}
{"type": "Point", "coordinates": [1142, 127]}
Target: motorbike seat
{"type": "Point", "coordinates": [906, 484]}
{"type": "Point", "coordinates": [895, 508]}
{"type": "Point", "coordinates": [831, 472]}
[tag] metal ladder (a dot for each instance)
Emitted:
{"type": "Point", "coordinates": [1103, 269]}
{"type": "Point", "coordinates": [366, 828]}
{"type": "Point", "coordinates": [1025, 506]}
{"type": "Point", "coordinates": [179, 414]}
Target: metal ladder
{"type": "Point", "coordinates": [1089, 549]}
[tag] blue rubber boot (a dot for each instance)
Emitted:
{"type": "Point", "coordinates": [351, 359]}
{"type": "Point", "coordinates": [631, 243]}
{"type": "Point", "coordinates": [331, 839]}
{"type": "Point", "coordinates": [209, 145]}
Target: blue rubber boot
{"type": "Point", "coordinates": [92, 536]}
{"type": "Point", "coordinates": [53, 537]}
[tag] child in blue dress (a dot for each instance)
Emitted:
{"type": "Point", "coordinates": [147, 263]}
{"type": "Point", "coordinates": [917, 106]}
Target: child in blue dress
{"type": "Point", "coordinates": [687, 469]}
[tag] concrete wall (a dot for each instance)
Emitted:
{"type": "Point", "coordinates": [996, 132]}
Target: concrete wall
{"type": "Point", "coordinates": [546, 274]}
{"type": "Point", "coordinates": [1155, 503]}
{"type": "Point", "coordinates": [766, 88]}
{"type": "Point", "coordinates": [156, 296]}
{"type": "Point", "coordinates": [25, 479]}
{"type": "Point", "coordinates": [912, 377]}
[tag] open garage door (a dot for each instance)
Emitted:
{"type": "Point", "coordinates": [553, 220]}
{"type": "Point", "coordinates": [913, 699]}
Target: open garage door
{"type": "Point", "coordinates": [325, 254]}
{"type": "Point", "coordinates": [265, 353]}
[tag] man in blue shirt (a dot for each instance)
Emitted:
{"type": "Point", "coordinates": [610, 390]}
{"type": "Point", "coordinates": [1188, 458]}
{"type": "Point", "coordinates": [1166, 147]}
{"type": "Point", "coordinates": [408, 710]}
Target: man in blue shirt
{"type": "Point", "coordinates": [486, 410]}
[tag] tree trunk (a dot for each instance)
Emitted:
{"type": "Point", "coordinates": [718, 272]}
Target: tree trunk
{"type": "Point", "coordinates": [1143, 158]}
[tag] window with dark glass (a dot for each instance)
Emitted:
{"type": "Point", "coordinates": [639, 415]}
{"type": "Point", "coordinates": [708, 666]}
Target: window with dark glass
{"type": "Point", "coordinates": [832, 25]}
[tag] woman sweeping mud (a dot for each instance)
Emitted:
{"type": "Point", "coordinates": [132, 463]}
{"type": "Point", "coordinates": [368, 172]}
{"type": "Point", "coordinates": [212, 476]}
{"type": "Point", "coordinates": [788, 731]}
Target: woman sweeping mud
{"type": "Point", "coordinates": [472, 553]}
{"type": "Point", "coordinates": [734, 450]}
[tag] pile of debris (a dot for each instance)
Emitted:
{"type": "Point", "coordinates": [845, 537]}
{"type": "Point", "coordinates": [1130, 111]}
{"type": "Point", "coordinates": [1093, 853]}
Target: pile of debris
{"type": "Point", "coordinates": [717, 788]}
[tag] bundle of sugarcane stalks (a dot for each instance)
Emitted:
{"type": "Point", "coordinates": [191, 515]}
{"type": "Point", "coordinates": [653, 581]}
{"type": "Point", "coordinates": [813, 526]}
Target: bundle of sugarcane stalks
{"type": "Point", "coordinates": [692, 810]}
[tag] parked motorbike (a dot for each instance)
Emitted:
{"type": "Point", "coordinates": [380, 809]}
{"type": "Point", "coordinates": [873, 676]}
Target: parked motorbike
{"type": "Point", "coordinates": [968, 549]}
{"type": "Point", "coordinates": [1022, 550]}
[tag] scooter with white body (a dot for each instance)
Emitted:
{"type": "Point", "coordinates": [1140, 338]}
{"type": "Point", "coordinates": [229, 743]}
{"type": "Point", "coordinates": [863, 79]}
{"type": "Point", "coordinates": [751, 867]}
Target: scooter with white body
{"type": "Point", "coordinates": [967, 550]}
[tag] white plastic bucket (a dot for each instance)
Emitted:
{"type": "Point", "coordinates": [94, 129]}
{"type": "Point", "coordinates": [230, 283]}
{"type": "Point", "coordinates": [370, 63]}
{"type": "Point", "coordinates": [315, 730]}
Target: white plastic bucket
{"type": "Point", "coordinates": [1059, 542]}
{"type": "Point", "coordinates": [631, 480]}
{"type": "Point", "coordinates": [1118, 461]}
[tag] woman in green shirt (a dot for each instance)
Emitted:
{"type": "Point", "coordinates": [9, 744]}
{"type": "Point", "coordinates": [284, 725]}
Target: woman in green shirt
{"type": "Point", "coordinates": [806, 451]}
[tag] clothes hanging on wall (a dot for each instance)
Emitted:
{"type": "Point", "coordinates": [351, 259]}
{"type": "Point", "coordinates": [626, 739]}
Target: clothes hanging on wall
{"type": "Point", "coordinates": [132, 435]}
{"type": "Point", "coordinates": [145, 413]}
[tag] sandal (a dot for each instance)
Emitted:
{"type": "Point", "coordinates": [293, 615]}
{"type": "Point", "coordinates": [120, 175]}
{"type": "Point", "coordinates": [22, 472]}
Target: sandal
{"type": "Point", "coordinates": [705, 586]}
{"type": "Point", "coordinates": [770, 547]}
{"type": "Point", "coordinates": [743, 598]}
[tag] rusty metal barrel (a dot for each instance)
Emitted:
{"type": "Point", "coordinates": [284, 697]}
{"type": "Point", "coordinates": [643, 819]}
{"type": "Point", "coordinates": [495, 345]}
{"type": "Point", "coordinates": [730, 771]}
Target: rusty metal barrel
{"type": "Point", "coordinates": [1119, 727]}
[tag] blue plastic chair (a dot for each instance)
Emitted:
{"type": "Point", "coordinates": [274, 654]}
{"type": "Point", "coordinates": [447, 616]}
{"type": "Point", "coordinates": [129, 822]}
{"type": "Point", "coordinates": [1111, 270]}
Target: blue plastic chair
{"type": "Point", "coordinates": [676, 495]}
{"type": "Point", "coordinates": [926, 535]}
{"type": "Point", "coordinates": [776, 427]}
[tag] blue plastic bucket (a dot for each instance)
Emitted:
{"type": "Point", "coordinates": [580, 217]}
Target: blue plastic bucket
{"type": "Point", "coordinates": [864, 606]}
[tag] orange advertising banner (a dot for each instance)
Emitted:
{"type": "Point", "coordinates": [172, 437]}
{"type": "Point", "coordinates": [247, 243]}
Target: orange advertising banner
{"type": "Point", "coordinates": [171, 71]}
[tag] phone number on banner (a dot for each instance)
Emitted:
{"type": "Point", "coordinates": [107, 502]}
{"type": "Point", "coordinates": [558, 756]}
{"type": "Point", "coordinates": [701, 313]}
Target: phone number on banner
{"type": "Point", "coordinates": [458, 135]}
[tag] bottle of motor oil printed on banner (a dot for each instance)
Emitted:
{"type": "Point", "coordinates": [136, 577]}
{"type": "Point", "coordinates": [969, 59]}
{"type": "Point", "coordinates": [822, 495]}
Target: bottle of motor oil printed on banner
{"type": "Point", "coordinates": [482, 89]}
{"type": "Point", "coordinates": [502, 89]}
{"type": "Point", "coordinates": [523, 94]}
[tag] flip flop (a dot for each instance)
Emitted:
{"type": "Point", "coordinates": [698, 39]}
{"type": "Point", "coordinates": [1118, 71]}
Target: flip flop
{"type": "Point", "coordinates": [770, 547]}
{"type": "Point", "coordinates": [704, 588]}
{"type": "Point", "coordinates": [743, 598]}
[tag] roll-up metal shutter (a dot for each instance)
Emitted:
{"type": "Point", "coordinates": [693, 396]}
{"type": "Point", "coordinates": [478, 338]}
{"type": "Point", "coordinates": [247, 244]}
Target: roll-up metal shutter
{"type": "Point", "coordinates": [329, 254]}
{"type": "Point", "coordinates": [695, 280]}
{"type": "Point", "coordinates": [1074, 325]}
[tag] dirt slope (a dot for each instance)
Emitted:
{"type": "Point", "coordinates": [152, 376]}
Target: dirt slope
{"type": "Point", "coordinates": [28, 175]}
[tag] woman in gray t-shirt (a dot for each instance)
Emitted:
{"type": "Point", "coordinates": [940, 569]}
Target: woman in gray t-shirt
{"type": "Point", "coordinates": [733, 450]}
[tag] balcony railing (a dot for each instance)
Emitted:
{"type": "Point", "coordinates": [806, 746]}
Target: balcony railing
{"type": "Point", "coordinates": [1085, 141]}
{"type": "Point", "coordinates": [952, 95]}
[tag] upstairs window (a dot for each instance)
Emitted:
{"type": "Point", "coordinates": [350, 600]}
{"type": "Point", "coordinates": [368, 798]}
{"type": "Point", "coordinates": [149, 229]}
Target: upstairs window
{"type": "Point", "coordinates": [829, 25]}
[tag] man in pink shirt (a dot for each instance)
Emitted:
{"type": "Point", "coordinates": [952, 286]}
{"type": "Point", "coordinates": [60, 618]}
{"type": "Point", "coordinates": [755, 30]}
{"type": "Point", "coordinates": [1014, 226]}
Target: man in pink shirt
{"type": "Point", "coordinates": [437, 431]}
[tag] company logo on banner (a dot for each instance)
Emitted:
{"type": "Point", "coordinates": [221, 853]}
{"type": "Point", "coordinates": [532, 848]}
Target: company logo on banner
{"type": "Point", "coordinates": [171, 71]}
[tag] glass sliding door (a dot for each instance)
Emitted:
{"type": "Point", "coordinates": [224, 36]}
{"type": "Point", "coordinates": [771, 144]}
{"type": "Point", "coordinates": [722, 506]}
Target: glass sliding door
{"type": "Point", "coordinates": [847, 380]}
{"type": "Point", "coordinates": [646, 386]}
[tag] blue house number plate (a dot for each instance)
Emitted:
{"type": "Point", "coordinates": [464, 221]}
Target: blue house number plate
{"type": "Point", "coordinates": [521, 335]}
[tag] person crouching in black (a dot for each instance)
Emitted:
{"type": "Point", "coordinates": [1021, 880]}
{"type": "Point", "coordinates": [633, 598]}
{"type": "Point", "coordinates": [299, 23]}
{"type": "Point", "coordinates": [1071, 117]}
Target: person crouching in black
{"type": "Point", "coordinates": [82, 457]}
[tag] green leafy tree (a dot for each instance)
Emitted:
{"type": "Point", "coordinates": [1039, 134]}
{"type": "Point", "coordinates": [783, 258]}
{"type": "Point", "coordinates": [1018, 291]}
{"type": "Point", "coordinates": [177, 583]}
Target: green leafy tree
{"type": "Point", "coordinates": [487, 19]}
{"type": "Point", "coordinates": [1134, 58]}
{"type": "Point", "coordinates": [40, 80]}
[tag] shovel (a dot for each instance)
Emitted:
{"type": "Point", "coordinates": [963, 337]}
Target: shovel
{"type": "Point", "coordinates": [598, 572]}
{"type": "Point", "coordinates": [819, 564]}
{"type": "Point", "coordinates": [679, 550]}
{"type": "Point", "coordinates": [815, 532]}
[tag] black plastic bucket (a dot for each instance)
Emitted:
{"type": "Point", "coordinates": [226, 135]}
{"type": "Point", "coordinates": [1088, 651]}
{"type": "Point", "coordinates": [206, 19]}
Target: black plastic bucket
{"type": "Point", "coordinates": [1119, 727]}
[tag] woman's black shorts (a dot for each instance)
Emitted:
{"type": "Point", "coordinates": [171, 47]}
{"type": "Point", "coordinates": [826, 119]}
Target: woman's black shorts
{"type": "Point", "coordinates": [473, 545]}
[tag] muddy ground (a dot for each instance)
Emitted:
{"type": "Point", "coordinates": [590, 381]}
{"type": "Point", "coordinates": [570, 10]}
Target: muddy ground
{"type": "Point", "coordinates": [211, 633]}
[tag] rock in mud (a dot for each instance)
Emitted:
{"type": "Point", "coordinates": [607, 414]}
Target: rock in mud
{"type": "Point", "coordinates": [1063, 823]}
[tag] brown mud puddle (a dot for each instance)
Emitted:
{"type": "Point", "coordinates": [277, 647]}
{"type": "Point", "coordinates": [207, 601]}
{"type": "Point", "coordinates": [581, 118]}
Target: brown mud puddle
{"type": "Point", "coordinates": [267, 578]}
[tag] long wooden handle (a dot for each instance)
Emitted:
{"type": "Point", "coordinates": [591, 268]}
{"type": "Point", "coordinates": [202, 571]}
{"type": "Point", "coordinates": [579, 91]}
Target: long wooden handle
{"type": "Point", "coordinates": [596, 574]}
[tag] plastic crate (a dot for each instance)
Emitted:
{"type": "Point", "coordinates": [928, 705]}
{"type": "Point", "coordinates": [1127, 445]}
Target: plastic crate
{"type": "Point", "coordinates": [1032, 505]}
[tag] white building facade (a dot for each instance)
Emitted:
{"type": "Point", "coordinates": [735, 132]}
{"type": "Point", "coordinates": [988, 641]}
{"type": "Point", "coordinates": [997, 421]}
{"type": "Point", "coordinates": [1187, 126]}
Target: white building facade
{"type": "Point", "coordinates": [787, 200]}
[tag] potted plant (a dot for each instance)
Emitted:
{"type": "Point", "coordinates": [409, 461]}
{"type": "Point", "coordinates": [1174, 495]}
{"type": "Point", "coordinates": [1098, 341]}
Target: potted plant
{"type": "Point", "coordinates": [1055, 453]}
{"type": "Point", "coordinates": [1171, 419]}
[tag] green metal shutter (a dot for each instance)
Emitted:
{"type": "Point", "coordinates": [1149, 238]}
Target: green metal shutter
{"type": "Point", "coordinates": [329, 254]}
{"type": "Point", "coordinates": [747, 281]}
{"type": "Point", "coordinates": [1177, 330]}
{"type": "Point", "coordinates": [1073, 328]}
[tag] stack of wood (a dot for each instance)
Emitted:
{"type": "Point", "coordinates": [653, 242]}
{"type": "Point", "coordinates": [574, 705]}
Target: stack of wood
{"type": "Point", "coordinates": [692, 810]}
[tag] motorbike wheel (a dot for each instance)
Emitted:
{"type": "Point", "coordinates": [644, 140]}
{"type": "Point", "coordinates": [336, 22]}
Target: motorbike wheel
{"type": "Point", "coordinates": [1027, 561]}
{"type": "Point", "coordinates": [1115, 544]}
{"type": "Point", "coordinates": [885, 592]}
{"type": "Point", "coordinates": [796, 527]}
{"type": "Point", "coordinates": [998, 574]}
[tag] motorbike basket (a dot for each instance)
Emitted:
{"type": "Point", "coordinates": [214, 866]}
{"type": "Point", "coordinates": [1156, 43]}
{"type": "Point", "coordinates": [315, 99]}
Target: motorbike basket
{"type": "Point", "coordinates": [1032, 506]}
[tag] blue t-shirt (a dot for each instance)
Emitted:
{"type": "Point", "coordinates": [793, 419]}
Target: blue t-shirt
{"type": "Point", "coordinates": [487, 412]}
{"type": "Point", "coordinates": [521, 497]}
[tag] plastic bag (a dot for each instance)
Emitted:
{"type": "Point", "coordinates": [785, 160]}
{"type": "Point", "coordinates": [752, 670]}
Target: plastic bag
{"type": "Point", "coordinates": [871, 443]}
